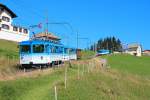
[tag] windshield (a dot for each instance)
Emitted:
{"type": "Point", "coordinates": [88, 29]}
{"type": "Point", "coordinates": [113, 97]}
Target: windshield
{"type": "Point", "coordinates": [38, 48]}
{"type": "Point", "coordinates": [25, 49]}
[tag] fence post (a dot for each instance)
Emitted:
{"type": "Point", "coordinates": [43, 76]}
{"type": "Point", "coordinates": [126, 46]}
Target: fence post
{"type": "Point", "coordinates": [88, 67]}
{"type": "Point", "coordinates": [55, 93]}
{"type": "Point", "coordinates": [24, 70]}
{"type": "Point", "coordinates": [78, 72]}
{"type": "Point", "coordinates": [40, 68]}
{"type": "Point", "coordinates": [66, 77]}
{"type": "Point", "coordinates": [83, 69]}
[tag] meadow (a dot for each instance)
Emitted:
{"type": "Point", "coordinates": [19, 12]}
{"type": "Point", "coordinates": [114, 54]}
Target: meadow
{"type": "Point", "coordinates": [130, 64]}
{"type": "Point", "coordinates": [8, 49]}
{"type": "Point", "coordinates": [8, 57]}
{"type": "Point", "coordinates": [92, 83]}
{"type": "Point", "coordinates": [125, 78]}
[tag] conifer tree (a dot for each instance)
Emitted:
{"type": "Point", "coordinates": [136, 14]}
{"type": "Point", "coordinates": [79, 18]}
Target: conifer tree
{"type": "Point", "coordinates": [108, 43]}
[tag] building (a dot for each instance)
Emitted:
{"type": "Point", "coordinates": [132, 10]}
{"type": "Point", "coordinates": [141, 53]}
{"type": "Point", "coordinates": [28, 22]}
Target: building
{"type": "Point", "coordinates": [134, 49]}
{"type": "Point", "coordinates": [146, 52]}
{"type": "Point", "coordinates": [8, 31]}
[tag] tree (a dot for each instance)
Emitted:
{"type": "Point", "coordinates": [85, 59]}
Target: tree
{"type": "Point", "coordinates": [109, 43]}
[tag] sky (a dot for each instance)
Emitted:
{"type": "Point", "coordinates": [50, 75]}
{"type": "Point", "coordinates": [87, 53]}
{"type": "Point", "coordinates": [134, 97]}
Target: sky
{"type": "Point", "coordinates": [128, 20]}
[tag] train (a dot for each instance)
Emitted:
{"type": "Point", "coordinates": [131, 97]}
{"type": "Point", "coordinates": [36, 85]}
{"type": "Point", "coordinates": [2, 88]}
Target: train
{"type": "Point", "coordinates": [103, 52]}
{"type": "Point", "coordinates": [37, 53]}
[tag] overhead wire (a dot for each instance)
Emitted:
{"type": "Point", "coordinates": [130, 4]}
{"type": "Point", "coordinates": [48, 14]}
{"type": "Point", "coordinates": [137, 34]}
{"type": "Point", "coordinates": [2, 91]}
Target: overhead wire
{"type": "Point", "coordinates": [31, 10]}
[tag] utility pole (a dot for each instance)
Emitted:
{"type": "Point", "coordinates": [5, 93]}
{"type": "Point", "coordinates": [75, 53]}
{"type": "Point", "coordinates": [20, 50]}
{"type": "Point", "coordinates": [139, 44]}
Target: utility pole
{"type": "Point", "coordinates": [47, 23]}
{"type": "Point", "coordinates": [46, 27]}
{"type": "Point", "coordinates": [77, 39]}
{"type": "Point", "coordinates": [95, 47]}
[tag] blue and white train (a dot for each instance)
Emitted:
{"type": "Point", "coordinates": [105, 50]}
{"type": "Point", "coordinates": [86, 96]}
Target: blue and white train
{"type": "Point", "coordinates": [103, 52]}
{"type": "Point", "coordinates": [44, 53]}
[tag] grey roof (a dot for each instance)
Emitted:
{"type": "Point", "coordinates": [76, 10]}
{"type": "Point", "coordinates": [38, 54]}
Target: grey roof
{"type": "Point", "coordinates": [10, 11]}
{"type": "Point", "coordinates": [133, 45]}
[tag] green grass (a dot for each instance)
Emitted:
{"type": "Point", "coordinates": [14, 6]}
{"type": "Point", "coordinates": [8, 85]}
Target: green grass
{"type": "Point", "coordinates": [29, 88]}
{"type": "Point", "coordinates": [8, 57]}
{"type": "Point", "coordinates": [127, 79]}
{"type": "Point", "coordinates": [8, 49]}
{"type": "Point", "coordinates": [113, 84]}
{"type": "Point", "coordinates": [130, 64]}
{"type": "Point", "coordinates": [86, 54]}
{"type": "Point", "coordinates": [97, 86]}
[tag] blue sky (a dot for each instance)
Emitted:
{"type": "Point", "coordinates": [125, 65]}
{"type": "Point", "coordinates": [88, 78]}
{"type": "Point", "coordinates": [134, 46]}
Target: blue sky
{"type": "Point", "coordinates": [128, 20]}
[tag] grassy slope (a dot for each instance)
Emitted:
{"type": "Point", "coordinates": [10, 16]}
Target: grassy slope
{"type": "Point", "coordinates": [37, 88]}
{"type": "Point", "coordinates": [100, 86]}
{"type": "Point", "coordinates": [87, 54]}
{"type": "Point", "coordinates": [130, 64]}
{"type": "Point", "coordinates": [8, 57]}
{"type": "Point", "coordinates": [127, 80]}
{"type": "Point", "coordinates": [106, 85]}
{"type": "Point", "coordinates": [8, 49]}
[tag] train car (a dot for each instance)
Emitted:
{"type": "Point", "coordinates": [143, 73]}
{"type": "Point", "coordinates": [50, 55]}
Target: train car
{"type": "Point", "coordinates": [44, 53]}
{"type": "Point", "coordinates": [102, 52]}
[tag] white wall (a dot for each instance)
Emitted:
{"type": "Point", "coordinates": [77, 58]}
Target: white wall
{"type": "Point", "coordinates": [139, 51]}
{"type": "Point", "coordinates": [6, 14]}
{"type": "Point", "coordinates": [10, 34]}
{"type": "Point", "coordinates": [13, 36]}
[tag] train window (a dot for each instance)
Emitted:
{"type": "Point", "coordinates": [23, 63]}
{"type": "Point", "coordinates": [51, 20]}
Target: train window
{"type": "Point", "coordinates": [61, 50]}
{"type": "Point", "coordinates": [46, 48]}
{"type": "Point", "coordinates": [38, 48]}
{"type": "Point", "coordinates": [66, 50]}
{"type": "Point", "coordinates": [71, 51]}
{"type": "Point", "coordinates": [57, 49]}
{"type": "Point", "coordinates": [53, 50]}
{"type": "Point", "coordinates": [25, 48]}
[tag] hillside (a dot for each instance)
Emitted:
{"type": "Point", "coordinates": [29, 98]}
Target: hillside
{"type": "Point", "coordinates": [86, 80]}
{"type": "Point", "coordinates": [8, 57]}
{"type": "Point", "coordinates": [130, 64]}
{"type": "Point", "coordinates": [86, 54]}
{"type": "Point", "coordinates": [8, 49]}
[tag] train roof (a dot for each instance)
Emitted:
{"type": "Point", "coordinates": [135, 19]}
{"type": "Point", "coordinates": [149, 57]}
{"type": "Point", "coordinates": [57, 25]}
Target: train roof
{"type": "Point", "coordinates": [43, 42]}
{"type": "Point", "coordinates": [39, 42]}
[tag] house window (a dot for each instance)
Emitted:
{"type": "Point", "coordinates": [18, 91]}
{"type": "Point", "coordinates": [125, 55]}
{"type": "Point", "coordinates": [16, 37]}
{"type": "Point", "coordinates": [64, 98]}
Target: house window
{"type": "Point", "coordinates": [25, 31]}
{"type": "Point", "coordinates": [20, 29]}
{"type": "Point", "coordinates": [5, 19]}
{"type": "Point", "coordinates": [4, 26]}
{"type": "Point", "coordinates": [15, 28]}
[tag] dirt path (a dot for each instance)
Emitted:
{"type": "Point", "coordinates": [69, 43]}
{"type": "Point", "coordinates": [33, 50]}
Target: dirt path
{"type": "Point", "coordinates": [94, 62]}
{"type": "Point", "coordinates": [21, 73]}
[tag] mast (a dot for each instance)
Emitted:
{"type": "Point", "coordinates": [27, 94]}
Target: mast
{"type": "Point", "coordinates": [46, 30]}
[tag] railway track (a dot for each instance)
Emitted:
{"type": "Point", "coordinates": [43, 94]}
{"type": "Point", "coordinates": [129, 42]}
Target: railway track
{"type": "Point", "coordinates": [34, 68]}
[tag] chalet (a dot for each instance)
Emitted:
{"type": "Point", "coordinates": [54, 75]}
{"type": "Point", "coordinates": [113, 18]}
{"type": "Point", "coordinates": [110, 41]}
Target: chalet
{"type": "Point", "coordinates": [134, 49]}
{"type": "Point", "coordinates": [146, 52]}
{"type": "Point", "coordinates": [8, 31]}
